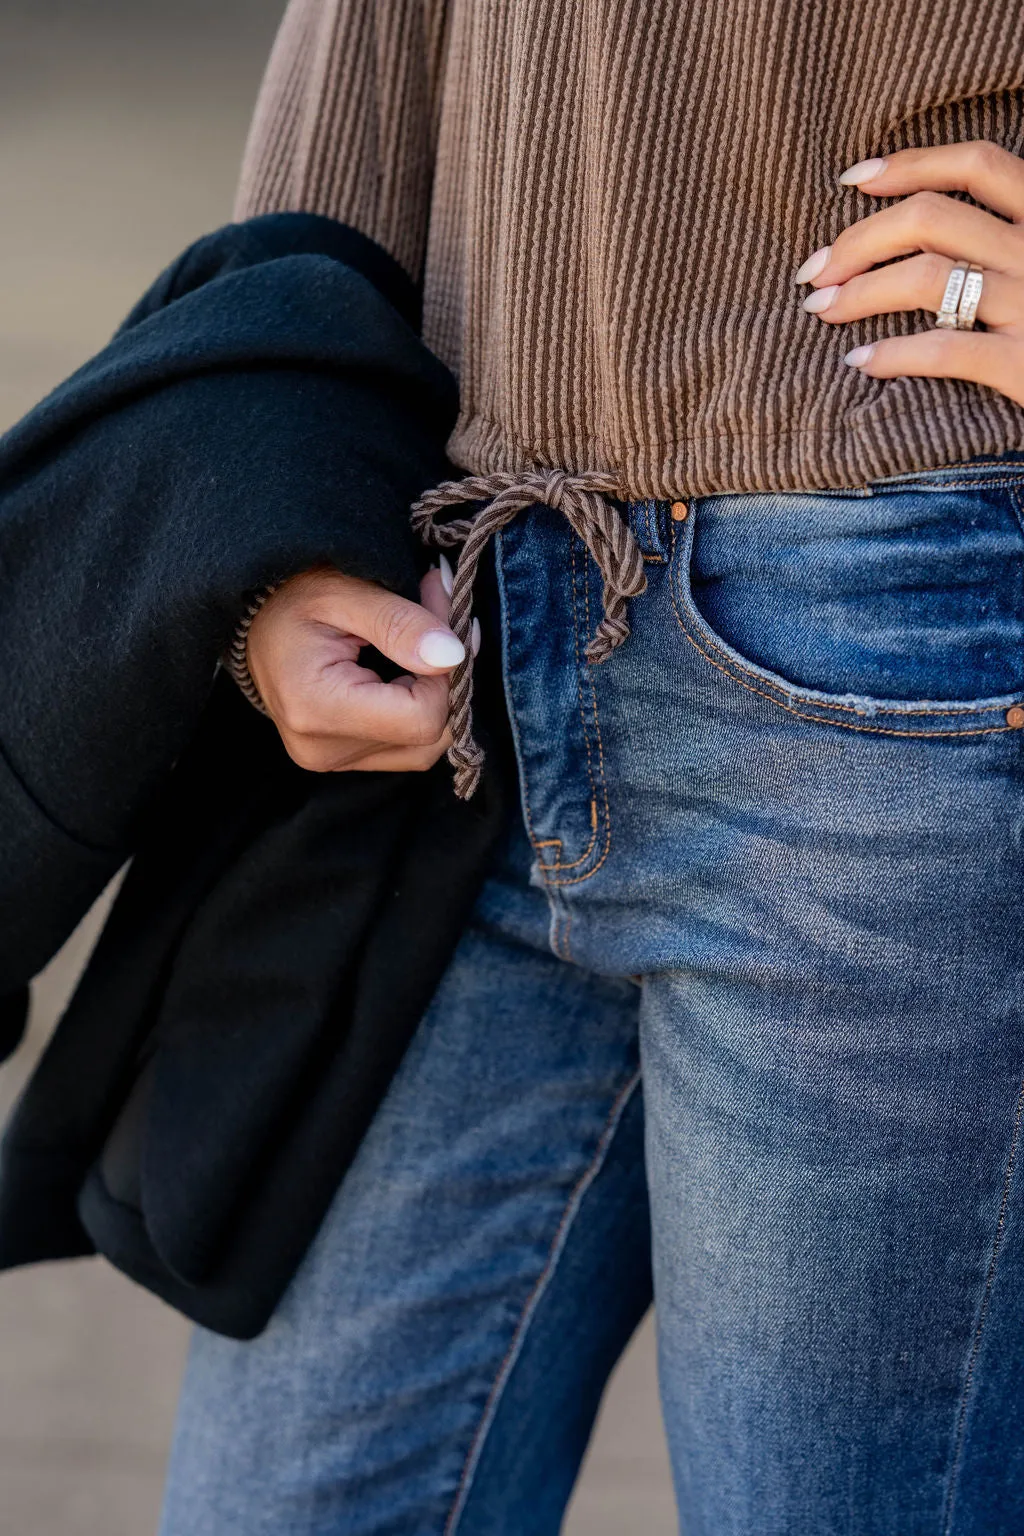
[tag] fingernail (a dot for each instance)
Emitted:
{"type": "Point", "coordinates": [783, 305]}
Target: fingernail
{"type": "Point", "coordinates": [447, 576]}
{"type": "Point", "coordinates": [440, 648]}
{"type": "Point", "coordinates": [864, 170]}
{"type": "Point", "coordinates": [475, 637]}
{"type": "Point", "coordinates": [823, 298]}
{"type": "Point", "coordinates": [860, 355]}
{"type": "Point", "coordinates": [814, 265]}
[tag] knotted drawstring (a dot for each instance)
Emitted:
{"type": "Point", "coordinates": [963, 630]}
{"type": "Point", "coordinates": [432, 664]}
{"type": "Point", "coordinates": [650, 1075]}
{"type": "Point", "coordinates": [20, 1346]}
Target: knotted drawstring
{"type": "Point", "coordinates": [605, 532]}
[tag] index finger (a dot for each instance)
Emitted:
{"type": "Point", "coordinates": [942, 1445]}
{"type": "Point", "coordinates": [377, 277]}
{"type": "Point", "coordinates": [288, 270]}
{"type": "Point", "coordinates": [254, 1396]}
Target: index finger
{"type": "Point", "coordinates": [990, 174]}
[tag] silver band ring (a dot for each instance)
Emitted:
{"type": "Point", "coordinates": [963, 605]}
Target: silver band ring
{"type": "Point", "coordinates": [946, 314]}
{"type": "Point", "coordinates": [970, 298]}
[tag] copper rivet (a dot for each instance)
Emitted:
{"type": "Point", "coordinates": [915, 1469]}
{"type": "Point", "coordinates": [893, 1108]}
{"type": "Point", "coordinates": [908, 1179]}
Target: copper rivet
{"type": "Point", "coordinates": [1015, 717]}
{"type": "Point", "coordinates": [680, 511]}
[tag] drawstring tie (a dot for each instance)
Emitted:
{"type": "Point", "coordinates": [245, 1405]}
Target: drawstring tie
{"type": "Point", "coordinates": [605, 532]}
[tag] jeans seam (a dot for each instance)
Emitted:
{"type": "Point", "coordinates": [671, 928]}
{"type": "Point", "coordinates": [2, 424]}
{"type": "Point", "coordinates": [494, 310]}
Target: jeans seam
{"type": "Point", "coordinates": [587, 852]}
{"type": "Point", "coordinates": [1017, 502]}
{"type": "Point", "coordinates": [596, 784]}
{"type": "Point", "coordinates": [504, 1372]}
{"type": "Point", "coordinates": [601, 782]}
{"type": "Point", "coordinates": [983, 1310]}
{"type": "Point", "coordinates": [556, 842]}
{"type": "Point", "coordinates": [558, 928]}
{"type": "Point", "coordinates": [562, 922]}
{"type": "Point", "coordinates": [536, 843]}
{"type": "Point", "coordinates": [980, 482]}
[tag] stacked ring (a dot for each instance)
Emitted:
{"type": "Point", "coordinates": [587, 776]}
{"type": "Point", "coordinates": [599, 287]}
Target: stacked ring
{"type": "Point", "coordinates": [970, 298]}
{"type": "Point", "coordinates": [945, 315]}
{"type": "Point", "coordinates": [959, 308]}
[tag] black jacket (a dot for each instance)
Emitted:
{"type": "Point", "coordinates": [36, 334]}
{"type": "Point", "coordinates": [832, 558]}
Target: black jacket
{"type": "Point", "coordinates": [266, 406]}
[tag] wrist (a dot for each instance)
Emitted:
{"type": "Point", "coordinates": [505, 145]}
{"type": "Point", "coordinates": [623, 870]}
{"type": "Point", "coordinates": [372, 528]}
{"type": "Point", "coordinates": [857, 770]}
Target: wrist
{"type": "Point", "coordinates": [235, 658]}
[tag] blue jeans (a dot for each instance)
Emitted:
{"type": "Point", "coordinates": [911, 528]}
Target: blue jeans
{"type": "Point", "coordinates": [769, 868]}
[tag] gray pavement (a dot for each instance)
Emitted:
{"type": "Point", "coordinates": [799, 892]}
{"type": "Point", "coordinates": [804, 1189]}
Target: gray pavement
{"type": "Point", "coordinates": [121, 124]}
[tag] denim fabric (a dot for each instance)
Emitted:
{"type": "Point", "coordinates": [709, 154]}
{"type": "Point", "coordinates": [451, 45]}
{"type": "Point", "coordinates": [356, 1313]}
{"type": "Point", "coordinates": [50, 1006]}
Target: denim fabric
{"type": "Point", "coordinates": [776, 849]}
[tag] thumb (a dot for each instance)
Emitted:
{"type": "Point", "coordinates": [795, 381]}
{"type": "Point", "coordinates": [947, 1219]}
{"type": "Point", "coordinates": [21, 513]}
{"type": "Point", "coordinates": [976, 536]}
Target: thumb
{"type": "Point", "coordinates": [406, 633]}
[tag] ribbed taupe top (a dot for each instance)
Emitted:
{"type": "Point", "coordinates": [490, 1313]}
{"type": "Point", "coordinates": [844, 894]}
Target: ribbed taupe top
{"type": "Point", "coordinates": [608, 199]}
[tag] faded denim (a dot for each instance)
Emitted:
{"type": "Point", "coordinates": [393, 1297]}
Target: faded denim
{"type": "Point", "coordinates": [776, 845]}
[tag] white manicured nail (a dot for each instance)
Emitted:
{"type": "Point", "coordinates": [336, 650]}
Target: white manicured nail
{"type": "Point", "coordinates": [860, 355]}
{"type": "Point", "coordinates": [447, 577]}
{"type": "Point", "coordinates": [475, 637]}
{"type": "Point", "coordinates": [864, 170]}
{"type": "Point", "coordinates": [814, 265]}
{"type": "Point", "coordinates": [816, 303]}
{"type": "Point", "coordinates": [440, 648]}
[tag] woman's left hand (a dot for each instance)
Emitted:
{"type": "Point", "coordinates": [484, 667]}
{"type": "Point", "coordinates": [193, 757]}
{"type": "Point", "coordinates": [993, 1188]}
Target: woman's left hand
{"type": "Point", "coordinates": [934, 233]}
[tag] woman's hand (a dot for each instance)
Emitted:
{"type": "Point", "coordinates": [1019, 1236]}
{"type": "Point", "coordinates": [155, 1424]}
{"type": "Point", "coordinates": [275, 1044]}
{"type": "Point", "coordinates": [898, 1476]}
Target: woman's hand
{"type": "Point", "coordinates": [333, 714]}
{"type": "Point", "coordinates": [935, 233]}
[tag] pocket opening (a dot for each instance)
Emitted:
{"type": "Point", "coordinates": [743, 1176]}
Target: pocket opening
{"type": "Point", "coordinates": [851, 709]}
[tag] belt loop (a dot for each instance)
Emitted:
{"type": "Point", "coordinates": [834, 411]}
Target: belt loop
{"type": "Point", "coordinates": [649, 519]}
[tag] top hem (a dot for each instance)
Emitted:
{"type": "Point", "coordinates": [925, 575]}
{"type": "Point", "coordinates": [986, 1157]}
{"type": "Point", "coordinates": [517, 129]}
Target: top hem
{"type": "Point", "coordinates": [892, 440]}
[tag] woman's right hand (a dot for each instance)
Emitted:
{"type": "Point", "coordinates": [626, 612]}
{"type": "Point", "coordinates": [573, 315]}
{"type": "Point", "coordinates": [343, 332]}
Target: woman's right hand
{"type": "Point", "coordinates": [333, 714]}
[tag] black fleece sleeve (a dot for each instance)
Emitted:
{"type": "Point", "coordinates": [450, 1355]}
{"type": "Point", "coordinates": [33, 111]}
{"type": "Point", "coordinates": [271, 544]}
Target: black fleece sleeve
{"type": "Point", "coordinates": [267, 405]}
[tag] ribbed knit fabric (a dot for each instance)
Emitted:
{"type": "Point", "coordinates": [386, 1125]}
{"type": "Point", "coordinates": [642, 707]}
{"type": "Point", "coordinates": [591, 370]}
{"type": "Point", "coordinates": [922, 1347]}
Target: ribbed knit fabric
{"type": "Point", "coordinates": [608, 199]}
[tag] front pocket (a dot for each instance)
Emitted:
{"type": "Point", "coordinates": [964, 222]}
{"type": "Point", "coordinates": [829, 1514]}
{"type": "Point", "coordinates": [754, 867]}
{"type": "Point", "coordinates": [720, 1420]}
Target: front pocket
{"type": "Point", "coordinates": [898, 611]}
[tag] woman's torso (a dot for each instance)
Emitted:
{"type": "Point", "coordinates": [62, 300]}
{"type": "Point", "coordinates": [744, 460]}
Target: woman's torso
{"type": "Point", "coordinates": [621, 197]}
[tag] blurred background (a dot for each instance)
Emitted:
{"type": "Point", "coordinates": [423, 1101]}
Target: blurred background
{"type": "Point", "coordinates": [121, 130]}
